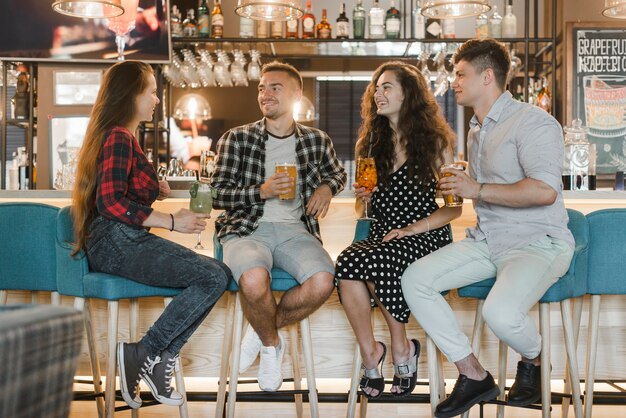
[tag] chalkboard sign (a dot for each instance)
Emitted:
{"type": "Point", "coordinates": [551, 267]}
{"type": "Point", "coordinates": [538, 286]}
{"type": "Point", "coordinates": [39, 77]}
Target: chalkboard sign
{"type": "Point", "coordinates": [596, 89]}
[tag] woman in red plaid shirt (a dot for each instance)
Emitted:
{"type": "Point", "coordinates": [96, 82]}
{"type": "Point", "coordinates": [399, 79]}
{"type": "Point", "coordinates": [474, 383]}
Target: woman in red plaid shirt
{"type": "Point", "coordinates": [116, 186]}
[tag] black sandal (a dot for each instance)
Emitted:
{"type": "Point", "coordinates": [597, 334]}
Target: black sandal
{"type": "Point", "coordinates": [373, 378]}
{"type": "Point", "coordinates": [405, 374]}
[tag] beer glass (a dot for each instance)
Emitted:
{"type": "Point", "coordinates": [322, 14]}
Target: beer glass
{"type": "Point", "coordinates": [366, 177]}
{"type": "Point", "coordinates": [450, 199]}
{"type": "Point", "coordinates": [290, 169]}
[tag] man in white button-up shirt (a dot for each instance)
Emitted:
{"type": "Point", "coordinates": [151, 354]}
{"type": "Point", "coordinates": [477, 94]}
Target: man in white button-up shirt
{"type": "Point", "coordinates": [521, 237]}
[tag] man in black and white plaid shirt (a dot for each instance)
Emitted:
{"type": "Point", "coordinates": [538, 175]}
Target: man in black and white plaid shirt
{"type": "Point", "coordinates": [259, 230]}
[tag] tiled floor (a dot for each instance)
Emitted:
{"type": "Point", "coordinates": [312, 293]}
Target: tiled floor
{"type": "Point", "coordinates": [84, 409]}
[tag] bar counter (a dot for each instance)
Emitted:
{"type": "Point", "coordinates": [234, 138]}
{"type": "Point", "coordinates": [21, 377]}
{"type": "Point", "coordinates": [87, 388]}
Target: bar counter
{"type": "Point", "coordinates": [332, 337]}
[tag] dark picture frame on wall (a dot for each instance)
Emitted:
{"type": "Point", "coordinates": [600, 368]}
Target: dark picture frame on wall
{"type": "Point", "coordinates": [596, 89]}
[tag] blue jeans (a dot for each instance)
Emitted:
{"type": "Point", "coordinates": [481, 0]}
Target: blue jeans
{"type": "Point", "coordinates": [118, 249]}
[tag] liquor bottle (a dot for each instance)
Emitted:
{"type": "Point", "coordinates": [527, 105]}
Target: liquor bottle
{"type": "Point", "coordinates": [176, 22]}
{"type": "Point", "coordinates": [308, 22]}
{"type": "Point", "coordinates": [482, 26]}
{"type": "Point", "coordinates": [324, 30]}
{"type": "Point", "coordinates": [418, 23]}
{"type": "Point", "coordinates": [246, 27]}
{"type": "Point", "coordinates": [276, 29]}
{"type": "Point", "coordinates": [433, 28]}
{"type": "Point", "coordinates": [519, 93]}
{"type": "Point", "coordinates": [358, 20]}
{"type": "Point", "coordinates": [217, 21]}
{"type": "Point", "coordinates": [292, 29]}
{"type": "Point", "coordinates": [204, 20]}
{"type": "Point", "coordinates": [448, 29]}
{"type": "Point", "coordinates": [509, 22]}
{"type": "Point", "coordinates": [544, 97]}
{"type": "Point", "coordinates": [495, 24]}
{"type": "Point", "coordinates": [377, 21]}
{"type": "Point", "coordinates": [189, 24]}
{"type": "Point", "coordinates": [392, 22]}
{"type": "Point", "coordinates": [262, 29]}
{"type": "Point", "coordinates": [343, 24]}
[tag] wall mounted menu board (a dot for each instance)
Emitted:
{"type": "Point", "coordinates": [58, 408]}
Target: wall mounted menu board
{"type": "Point", "coordinates": [596, 88]}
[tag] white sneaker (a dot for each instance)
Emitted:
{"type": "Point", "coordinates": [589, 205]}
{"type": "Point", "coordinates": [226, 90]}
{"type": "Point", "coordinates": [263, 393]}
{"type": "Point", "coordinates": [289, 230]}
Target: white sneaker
{"type": "Point", "coordinates": [250, 347]}
{"type": "Point", "coordinates": [270, 375]}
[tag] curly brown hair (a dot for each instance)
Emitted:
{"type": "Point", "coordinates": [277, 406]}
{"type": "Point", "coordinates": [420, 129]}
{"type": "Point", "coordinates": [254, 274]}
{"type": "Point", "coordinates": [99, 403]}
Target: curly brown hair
{"type": "Point", "coordinates": [422, 129]}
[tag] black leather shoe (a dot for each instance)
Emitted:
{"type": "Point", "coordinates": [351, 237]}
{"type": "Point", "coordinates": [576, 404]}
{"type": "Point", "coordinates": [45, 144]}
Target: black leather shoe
{"type": "Point", "coordinates": [467, 393]}
{"type": "Point", "coordinates": [527, 387]}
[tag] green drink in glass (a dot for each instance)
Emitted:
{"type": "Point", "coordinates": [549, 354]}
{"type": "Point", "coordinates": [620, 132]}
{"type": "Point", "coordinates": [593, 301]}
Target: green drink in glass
{"type": "Point", "coordinates": [201, 202]}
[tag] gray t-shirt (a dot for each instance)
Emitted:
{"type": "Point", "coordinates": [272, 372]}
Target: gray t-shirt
{"type": "Point", "coordinates": [281, 150]}
{"type": "Point", "coordinates": [517, 141]}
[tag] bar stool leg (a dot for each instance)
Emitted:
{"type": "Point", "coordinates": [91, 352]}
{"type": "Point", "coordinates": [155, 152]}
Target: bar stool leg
{"type": "Point", "coordinates": [502, 358]}
{"type": "Point", "coordinates": [234, 359]}
{"type": "Point", "coordinates": [180, 379]}
{"type": "Point", "coordinates": [111, 359]}
{"type": "Point", "coordinates": [546, 391]}
{"type": "Point", "coordinates": [227, 344]}
{"type": "Point", "coordinates": [3, 297]}
{"type": "Point", "coordinates": [566, 315]}
{"type": "Point", "coordinates": [305, 331]}
{"type": "Point", "coordinates": [592, 351]}
{"type": "Point", "coordinates": [565, 403]}
{"type": "Point", "coordinates": [34, 297]}
{"type": "Point", "coordinates": [134, 335]}
{"type": "Point", "coordinates": [55, 298]}
{"type": "Point", "coordinates": [295, 365]}
{"type": "Point", "coordinates": [440, 375]}
{"type": "Point", "coordinates": [477, 335]}
{"type": "Point", "coordinates": [84, 306]}
{"type": "Point", "coordinates": [354, 382]}
{"type": "Point", "coordinates": [433, 374]}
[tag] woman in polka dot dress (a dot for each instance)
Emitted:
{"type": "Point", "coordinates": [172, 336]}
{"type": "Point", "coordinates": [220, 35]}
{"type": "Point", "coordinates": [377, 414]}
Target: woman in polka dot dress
{"type": "Point", "coordinates": [404, 131]}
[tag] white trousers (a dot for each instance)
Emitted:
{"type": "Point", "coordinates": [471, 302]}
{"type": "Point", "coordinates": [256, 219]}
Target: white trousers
{"type": "Point", "coordinates": [522, 277]}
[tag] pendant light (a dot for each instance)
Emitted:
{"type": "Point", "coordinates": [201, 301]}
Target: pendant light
{"type": "Point", "coordinates": [89, 9]}
{"type": "Point", "coordinates": [454, 9]}
{"type": "Point", "coordinates": [615, 9]}
{"type": "Point", "coordinates": [270, 10]}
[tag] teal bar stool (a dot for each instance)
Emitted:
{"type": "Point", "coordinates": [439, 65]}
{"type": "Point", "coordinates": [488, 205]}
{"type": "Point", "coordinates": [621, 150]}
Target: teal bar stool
{"type": "Point", "coordinates": [281, 281]}
{"type": "Point", "coordinates": [435, 367]}
{"type": "Point", "coordinates": [572, 285]}
{"type": "Point", "coordinates": [27, 248]}
{"type": "Point", "coordinates": [75, 279]}
{"type": "Point", "coordinates": [607, 267]}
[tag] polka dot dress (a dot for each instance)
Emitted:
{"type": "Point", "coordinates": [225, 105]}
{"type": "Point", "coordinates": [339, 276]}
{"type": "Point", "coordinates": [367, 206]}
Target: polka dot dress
{"type": "Point", "coordinates": [395, 205]}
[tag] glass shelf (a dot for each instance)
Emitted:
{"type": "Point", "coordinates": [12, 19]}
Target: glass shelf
{"type": "Point", "coordinates": [332, 47]}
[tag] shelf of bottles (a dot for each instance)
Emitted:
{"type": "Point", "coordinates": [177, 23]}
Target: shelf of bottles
{"type": "Point", "coordinates": [18, 111]}
{"type": "Point", "coordinates": [369, 33]}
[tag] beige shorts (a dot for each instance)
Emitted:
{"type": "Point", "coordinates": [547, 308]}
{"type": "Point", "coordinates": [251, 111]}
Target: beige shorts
{"type": "Point", "coordinates": [288, 246]}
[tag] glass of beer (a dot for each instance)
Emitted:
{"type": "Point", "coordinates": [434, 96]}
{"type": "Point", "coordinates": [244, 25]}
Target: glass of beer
{"type": "Point", "coordinates": [366, 177]}
{"type": "Point", "coordinates": [450, 199]}
{"type": "Point", "coordinates": [290, 169]}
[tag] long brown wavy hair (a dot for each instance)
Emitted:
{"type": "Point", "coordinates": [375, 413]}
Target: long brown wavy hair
{"type": "Point", "coordinates": [422, 129]}
{"type": "Point", "coordinates": [114, 106]}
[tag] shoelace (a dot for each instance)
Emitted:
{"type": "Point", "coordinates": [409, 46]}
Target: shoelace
{"type": "Point", "coordinates": [169, 372]}
{"type": "Point", "coordinates": [148, 365]}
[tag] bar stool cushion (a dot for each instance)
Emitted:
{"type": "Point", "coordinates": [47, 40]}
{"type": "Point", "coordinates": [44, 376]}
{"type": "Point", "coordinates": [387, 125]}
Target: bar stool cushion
{"type": "Point", "coordinates": [110, 287]}
{"type": "Point", "coordinates": [607, 267]}
{"type": "Point", "coordinates": [75, 279]}
{"type": "Point", "coordinates": [27, 247]}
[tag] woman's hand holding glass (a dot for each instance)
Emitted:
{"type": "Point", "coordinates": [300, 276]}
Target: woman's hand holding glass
{"type": "Point", "coordinates": [189, 222]}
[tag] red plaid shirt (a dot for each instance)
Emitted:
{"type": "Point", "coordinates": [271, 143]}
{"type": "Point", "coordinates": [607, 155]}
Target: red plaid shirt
{"type": "Point", "coordinates": [127, 182]}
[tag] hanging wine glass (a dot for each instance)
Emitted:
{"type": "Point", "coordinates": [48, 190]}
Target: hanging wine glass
{"type": "Point", "coordinates": [123, 24]}
{"type": "Point", "coordinates": [222, 75]}
{"type": "Point", "coordinates": [237, 72]}
{"type": "Point", "coordinates": [254, 67]}
{"type": "Point", "coordinates": [205, 69]}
